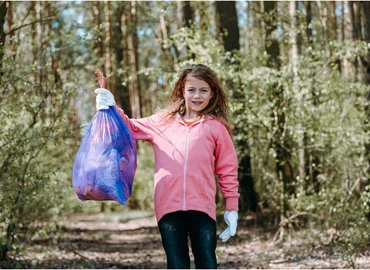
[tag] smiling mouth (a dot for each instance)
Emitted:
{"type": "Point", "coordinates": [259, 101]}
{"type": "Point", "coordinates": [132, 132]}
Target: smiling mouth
{"type": "Point", "coordinates": [197, 102]}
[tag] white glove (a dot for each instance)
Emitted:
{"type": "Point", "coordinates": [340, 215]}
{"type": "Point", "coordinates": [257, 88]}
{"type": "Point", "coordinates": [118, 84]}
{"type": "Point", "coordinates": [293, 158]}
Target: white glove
{"type": "Point", "coordinates": [104, 99]}
{"type": "Point", "coordinates": [231, 219]}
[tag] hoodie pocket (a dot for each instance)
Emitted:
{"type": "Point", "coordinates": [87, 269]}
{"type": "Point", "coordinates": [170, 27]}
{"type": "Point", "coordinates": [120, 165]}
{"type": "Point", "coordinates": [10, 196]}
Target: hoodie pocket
{"type": "Point", "coordinates": [168, 189]}
{"type": "Point", "coordinates": [202, 190]}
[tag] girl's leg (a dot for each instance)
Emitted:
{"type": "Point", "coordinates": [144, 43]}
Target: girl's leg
{"type": "Point", "coordinates": [175, 240]}
{"type": "Point", "coordinates": [202, 233]}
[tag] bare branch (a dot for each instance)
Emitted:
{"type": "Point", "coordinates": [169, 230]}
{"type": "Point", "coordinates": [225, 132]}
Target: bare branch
{"type": "Point", "coordinates": [28, 24]}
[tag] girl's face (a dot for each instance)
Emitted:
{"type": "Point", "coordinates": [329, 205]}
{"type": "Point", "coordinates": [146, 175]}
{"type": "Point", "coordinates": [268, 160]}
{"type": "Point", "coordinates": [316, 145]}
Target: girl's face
{"type": "Point", "coordinates": [197, 94]}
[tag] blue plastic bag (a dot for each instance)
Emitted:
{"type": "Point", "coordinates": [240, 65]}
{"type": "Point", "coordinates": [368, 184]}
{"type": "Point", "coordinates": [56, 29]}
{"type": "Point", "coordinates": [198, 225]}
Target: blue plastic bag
{"type": "Point", "coordinates": [105, 164]}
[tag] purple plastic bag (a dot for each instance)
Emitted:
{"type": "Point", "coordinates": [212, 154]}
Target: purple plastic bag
{"type": "Point", "coordinates": [105, 164]}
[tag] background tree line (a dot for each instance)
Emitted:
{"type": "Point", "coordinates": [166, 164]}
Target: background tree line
{"type": "Point", "coordinates": [297, 74]}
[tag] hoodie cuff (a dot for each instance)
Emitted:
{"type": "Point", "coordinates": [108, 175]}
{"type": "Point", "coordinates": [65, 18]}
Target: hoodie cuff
{"type": "Point", "coordinates": [232, 204]}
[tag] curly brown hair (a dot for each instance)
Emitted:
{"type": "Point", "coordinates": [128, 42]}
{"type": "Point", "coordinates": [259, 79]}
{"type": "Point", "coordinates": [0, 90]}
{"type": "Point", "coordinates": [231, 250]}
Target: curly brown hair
{"type": "Point", "coordinates": [218, 106]}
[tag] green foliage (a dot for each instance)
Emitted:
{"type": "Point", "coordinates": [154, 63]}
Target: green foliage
{"type": "Point", "coordinates": [38, 136]}
{"type": "Point", "coordinates": [35, 154]}
{"type": "Point", "coordinates": [321, 103]}
{"type": "Point", "coordinates": [142, 192]}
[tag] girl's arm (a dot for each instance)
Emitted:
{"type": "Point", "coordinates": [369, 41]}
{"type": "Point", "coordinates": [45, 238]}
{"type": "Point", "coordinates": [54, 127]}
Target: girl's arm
{"type": "Point", "coordinates": [139, 128]}
{"type": "Point", "coordinates": [227, 169]}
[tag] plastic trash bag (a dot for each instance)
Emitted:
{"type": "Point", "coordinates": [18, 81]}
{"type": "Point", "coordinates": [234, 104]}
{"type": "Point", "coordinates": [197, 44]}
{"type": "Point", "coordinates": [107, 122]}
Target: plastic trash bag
{"type": "Point", "coordinates": [105, 163]}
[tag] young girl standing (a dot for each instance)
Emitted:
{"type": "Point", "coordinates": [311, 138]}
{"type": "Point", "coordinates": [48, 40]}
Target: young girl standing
{"type": "Point", "coordinates": [191, 142]}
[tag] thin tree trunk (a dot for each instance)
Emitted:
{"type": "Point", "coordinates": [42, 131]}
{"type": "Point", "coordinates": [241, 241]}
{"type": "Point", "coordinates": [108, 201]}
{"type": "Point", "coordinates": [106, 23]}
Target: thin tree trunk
{"type": "Point", "coordinates": [11, 35]}
{"type": "Point", "coordinates": [3, 11]}
{"type": "Point", "coordinates": [99, 47]}
{"type": "Point", "coordinates": [164, 47]}
{"type": "Point", "coordinates": [323, 10]}
{"type": "Point", "coordinates": [107, 45]}
{"type": "Point", "coordinates": [334, 23]}
{"type": "Point", "coordinates": [312, 160]}
{"type": "Point", "coordinates": [356, 28]}
{"type": "Point", "coordinates": [281, 140]}
{"type": "Point", "coordinates": [296, 89]}
{"type": "Point", "coordinates": [347, 35]}
{"type": "Point", "coordinates": [119, 33]}
{"type": "Point", "coordinates": [271, 44]}
{"type": "Point", "coordinates": [134, 86]}
{"type": "Point", "coordinates": [97, 15]}
{"type": "Point", "coordinates": [188, 17]}
{"type": "Point", "coordinates": [366, 63]}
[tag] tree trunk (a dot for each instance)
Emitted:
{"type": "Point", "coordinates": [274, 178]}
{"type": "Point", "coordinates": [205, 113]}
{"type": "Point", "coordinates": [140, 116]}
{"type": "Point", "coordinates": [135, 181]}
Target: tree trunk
{"type": "Point", "coordinates": [347, 34]}
{"type": "Point", "coordinates": [355, 16]}
{"type": "Point", "coordinates": [281, 140]}
{"type": "Point", "coordinates": [228, 23]}
{"type": "Point", "coordinates": [164, 47]}
{"type": "Point", "coordinates": [323, 10]}
{"type": "Point", "coordinates": [296, 89]}
{"type": "Point", "coordinates": [271, 44]}
{"type": "Point", "coordinates": [309, 22]}
{"type": "Point", "coordinates": [3, 11]}
{"type": "Point", "coordinates": [107, 45]}
{"type": "Point", "coordinates": [366, 63]}
{"type": "Point", "coordinates": [188, 17]}
{"type": "Point", "coordinates": [121, 92]}
{"type": "Point", "coordinates": [311, 158]}
{"type": "Point", "coordinates": [334, 23]}
{"type": "Point", "coordinates": [188, 13]}
{"type": "Point", "coordinates": [134, 85]}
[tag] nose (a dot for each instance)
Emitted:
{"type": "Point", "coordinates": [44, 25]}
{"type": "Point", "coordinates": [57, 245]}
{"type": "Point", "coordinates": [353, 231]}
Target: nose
{"type": "Point", "coordinates": [196, 94]}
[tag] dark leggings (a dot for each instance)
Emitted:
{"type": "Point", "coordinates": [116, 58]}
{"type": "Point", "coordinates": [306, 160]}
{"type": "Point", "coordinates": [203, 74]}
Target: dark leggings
{"type": "Point", "coordinates": [201, 229]}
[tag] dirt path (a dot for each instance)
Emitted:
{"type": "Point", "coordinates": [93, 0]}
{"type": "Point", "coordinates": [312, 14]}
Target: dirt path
{"type": "Point", "coordinates": [91, 242]}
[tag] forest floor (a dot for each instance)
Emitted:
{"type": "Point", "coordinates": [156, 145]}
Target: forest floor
{"type": "Point", "coordinates": [93, 241]}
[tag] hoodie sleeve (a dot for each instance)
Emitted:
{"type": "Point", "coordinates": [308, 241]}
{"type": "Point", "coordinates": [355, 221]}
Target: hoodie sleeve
{"type": "Point", "coordinates": [227, 168]}
{"type": "Point", "coordinates": [139, 128]}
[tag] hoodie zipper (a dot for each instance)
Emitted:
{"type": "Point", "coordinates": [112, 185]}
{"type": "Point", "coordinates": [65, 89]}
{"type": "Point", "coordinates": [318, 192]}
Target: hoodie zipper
{"type": "Point", "coordinates": [185, 165]}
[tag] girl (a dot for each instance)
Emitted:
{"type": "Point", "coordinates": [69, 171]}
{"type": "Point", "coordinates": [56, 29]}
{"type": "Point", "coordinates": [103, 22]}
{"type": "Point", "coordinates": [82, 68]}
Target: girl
{"type": "Point", "coordinates": [191, 142]}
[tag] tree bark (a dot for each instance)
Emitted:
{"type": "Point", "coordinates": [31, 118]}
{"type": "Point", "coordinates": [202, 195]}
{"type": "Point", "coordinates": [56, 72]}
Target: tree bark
{"type": "Point", "coordinates": [334, 23]}
{"type": "Point", "coordinates": [134, 85]}
{"type": "Point", "coordinates": [228, 24]}
{"type": "Point", "coordinates": [311, 159]}
{"type": "Point", "coordinates": [296, 89]}
{"type": "Point", "coordinates": [3, 11]}
{"type": "Point", "coordinates": [188, 13]}
{"type": "Point", "coordinates": [121, 91]}
{"type": "Point", "coordinates": [107, 45]}
{"type": "Point", "coordinates": [188, 17]}
{"type": "Point", "coordinates": [366, 63]}
{"type": "Point", "coordinates": [355, 16]}
{"type": "Point", "coordinates": [271, 44]}
{"type": "Point", "coordinates": [281, 141]}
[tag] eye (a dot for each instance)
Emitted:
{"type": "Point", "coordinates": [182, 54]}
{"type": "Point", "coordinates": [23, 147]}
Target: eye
{"type": "Point", "coordinates": [204, 90]}
{"type": "Point", "coordinates": [190, 90]}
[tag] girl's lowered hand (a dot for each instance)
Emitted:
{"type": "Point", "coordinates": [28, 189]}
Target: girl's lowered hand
{"type": "Point", "coordinates": [231, 219]}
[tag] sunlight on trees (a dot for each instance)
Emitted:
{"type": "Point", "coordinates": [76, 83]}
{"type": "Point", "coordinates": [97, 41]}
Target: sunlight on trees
{"type": "Point", "coordinates": [298, 82]}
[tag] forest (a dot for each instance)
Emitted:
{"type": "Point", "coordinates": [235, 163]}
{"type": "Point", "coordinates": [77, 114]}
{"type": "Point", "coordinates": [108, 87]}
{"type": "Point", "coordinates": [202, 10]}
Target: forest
{"type": "Point", "coordinates": [297, 74]}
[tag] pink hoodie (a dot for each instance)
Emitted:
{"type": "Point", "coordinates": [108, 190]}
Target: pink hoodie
{"type": "Point", "coordinates": [186, 159]}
